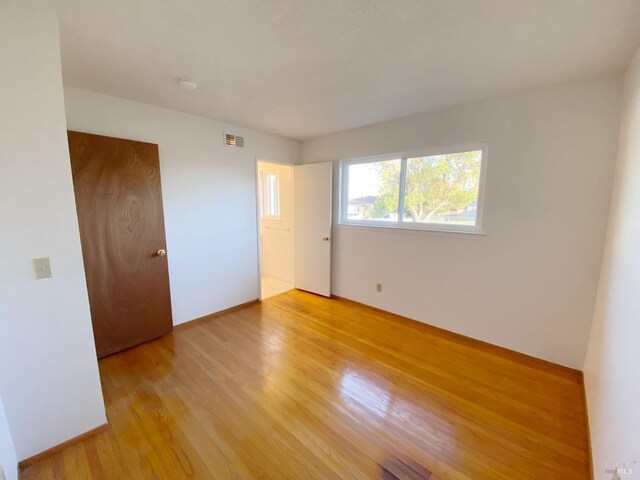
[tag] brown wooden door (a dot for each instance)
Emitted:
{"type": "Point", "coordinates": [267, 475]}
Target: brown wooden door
{"type": "Point", "coordinates": [119, 203]}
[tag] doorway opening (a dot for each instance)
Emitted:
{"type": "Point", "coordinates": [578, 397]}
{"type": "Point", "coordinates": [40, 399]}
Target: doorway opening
{"type": "Point", "coordinates": [275, 213]}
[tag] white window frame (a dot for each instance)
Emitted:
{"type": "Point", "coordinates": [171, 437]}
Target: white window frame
{"type": "Point", "coordinates": [263, 209]}
{"type": "Point", "coordinates": [403, 156]}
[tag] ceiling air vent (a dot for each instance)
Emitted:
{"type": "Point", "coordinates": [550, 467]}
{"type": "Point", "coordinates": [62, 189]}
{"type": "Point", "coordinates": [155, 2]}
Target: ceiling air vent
{"type": "Point", "coordinates": [233, 140]}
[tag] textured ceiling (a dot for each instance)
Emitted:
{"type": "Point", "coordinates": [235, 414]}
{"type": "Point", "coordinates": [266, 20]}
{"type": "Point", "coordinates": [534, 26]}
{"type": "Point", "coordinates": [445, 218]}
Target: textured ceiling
{"type": "Point", "coordinates": [303, 68]}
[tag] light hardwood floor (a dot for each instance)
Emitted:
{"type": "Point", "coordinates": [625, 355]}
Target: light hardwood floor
{"type": "Point", "coordinates": [303, 387]}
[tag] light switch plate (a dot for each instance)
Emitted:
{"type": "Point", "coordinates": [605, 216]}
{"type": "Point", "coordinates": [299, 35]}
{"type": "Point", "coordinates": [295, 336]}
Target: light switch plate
{"type": "Point", "coordinates": [42, 267]}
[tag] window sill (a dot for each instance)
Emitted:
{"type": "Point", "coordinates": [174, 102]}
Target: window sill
{"type": "Point", "coordinates": [413, 230]}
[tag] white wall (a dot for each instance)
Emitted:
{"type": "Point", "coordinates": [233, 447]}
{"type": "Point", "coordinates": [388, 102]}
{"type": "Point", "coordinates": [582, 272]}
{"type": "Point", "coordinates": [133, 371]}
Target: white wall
{"type": "Point", "coordinates": [529, 284]}
{"type": "Point", "coordinates": [612, 367]}
{"type": "Point", "coordinates": [8, 460]}
{"type": "Point", "coordinates": [208, 191]}
{"type": "Point", "coordinates": [48, 370]}
{"type": "Point", "coordinates": [277, 235]}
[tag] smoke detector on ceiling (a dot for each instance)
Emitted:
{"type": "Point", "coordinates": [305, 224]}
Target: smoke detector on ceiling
{"type": "Point", "coordinates": [187, 84]}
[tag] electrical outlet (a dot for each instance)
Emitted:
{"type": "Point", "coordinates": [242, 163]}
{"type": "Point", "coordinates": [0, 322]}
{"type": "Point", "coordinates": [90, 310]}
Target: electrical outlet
{"type": "Point", "coordinates": [42, 266]}
{"type": "Point", "coordinates": [378, 287]}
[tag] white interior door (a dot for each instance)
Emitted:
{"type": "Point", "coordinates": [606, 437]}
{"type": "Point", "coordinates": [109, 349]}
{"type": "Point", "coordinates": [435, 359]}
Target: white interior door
{"type": "Point", "coordinates": [312, 196]}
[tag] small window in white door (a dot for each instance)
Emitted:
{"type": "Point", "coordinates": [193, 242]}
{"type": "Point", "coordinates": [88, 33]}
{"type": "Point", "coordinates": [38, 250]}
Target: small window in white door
{"type": "Point", "coordinates": [270, 195]}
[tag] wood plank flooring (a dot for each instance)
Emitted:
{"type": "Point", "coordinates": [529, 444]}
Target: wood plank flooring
{"type": "Point", "coordinates": [304, 387]}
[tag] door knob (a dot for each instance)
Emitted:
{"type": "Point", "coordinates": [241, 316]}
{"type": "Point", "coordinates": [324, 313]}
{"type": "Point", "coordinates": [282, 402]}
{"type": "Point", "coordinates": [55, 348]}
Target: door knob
{"type": "Point", "coordinates": [325, 239]}
{"type": "Point", "coordinates": [161, 253]}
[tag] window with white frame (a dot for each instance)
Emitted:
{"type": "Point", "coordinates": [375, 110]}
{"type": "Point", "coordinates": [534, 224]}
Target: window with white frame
{"type": "Point", "coordinates": [438, 190]}
{"type": "Point", "coordinates": [270, 195]}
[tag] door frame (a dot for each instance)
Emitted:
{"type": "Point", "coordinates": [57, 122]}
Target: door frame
{"type": "Point", "coordinates": [291, 166]}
